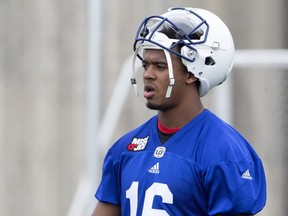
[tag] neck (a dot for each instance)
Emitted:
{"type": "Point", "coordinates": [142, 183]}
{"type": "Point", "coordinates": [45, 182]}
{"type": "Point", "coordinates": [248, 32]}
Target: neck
{"type": "Point", "coordinates": [177, 118]}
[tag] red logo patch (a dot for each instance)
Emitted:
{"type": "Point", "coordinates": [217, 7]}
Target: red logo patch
{"type": "Point", "coordinates": [138, 144]}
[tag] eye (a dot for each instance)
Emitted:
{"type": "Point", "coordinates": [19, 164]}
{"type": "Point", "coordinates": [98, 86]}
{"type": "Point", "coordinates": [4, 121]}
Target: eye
{"type": "Point", "coordinates": [144, 65]}
{"type": "Point", "coordinates": [161, 67]}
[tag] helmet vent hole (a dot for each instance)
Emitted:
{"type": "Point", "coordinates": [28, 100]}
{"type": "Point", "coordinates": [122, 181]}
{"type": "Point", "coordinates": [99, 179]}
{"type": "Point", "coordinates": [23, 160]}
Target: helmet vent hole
{"type": "Point", "coordinates": [209, 61]}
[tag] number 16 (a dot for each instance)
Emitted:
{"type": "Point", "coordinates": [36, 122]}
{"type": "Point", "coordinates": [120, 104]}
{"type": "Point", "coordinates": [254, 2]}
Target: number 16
{"type": "Point", "coordinates": [156, 189]}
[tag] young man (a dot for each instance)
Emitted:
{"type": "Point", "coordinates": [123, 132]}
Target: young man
{"type": "Point", "coordinates": [185, 160]}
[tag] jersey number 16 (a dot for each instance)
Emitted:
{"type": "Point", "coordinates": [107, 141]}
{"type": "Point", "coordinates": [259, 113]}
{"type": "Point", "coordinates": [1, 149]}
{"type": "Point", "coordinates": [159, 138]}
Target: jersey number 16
{"type": "Point", "coordinates": [156, 189]}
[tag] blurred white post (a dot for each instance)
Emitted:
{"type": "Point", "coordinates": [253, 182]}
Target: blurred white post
{"type": "Point", "coordinates": [81, 203]}
{"type": "Point", "coordinates": [262, 58]}
{"type": "Point", "coordinates": [223, 101]}
{"type": "Point", "coordinates": [94, 86]}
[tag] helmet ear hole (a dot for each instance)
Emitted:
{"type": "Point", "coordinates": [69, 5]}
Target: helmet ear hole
{"type": "Point", "coordinates": [209, 61]}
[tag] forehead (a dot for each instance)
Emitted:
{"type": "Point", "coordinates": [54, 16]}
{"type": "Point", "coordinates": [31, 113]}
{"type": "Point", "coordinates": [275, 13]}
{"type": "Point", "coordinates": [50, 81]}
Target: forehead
{"type": "Point", "coordinates": [155, 54]}
{"type": "Point", "coordinates": [158, 55]}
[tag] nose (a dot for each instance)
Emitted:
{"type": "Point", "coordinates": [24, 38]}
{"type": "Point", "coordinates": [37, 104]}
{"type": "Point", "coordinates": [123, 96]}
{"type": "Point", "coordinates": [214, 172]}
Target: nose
{"type": "Point", "coordinates": [149, 73]}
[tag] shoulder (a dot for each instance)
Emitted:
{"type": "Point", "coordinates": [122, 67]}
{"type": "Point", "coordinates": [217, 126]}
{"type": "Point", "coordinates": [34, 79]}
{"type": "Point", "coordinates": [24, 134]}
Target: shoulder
{"type": "Point", "coordinates": [226, 156]}
{"type": "Point", "coordinates": [223, 143]}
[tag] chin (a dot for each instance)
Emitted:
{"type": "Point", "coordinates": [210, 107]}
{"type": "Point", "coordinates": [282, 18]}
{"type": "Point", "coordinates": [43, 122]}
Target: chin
{"type": "Point", "coordinates": [154, 106]}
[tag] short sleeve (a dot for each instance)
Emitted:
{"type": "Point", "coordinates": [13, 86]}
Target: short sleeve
{"type": "Point", "coordinates": [108, 190]}
{"type": "Point", "coordinates": [235, 187]}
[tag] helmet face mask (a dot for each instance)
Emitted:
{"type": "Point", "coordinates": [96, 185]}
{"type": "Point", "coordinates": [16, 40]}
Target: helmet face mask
{"type": "Point", "coordinates": [205, 42]}
{"type": "Point", "coordinates": [178, 30]}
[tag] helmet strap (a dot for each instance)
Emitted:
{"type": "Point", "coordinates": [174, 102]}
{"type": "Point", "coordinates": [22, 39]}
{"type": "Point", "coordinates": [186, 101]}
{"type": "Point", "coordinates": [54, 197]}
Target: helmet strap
{"type": "Point", "coordinates": [133, 78]}
{"type": "Point", "coordinates": [171, 74]}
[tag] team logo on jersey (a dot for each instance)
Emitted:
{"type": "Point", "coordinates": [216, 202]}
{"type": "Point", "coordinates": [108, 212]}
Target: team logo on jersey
{"type": "Point", "coordinates": [154, 169]}
{"type": "Point", "coordinates": [138, 144]}
{"type": "Point", "coordinates": [246, 175]}
{"type": "Point", "coordinates": [159, 152]}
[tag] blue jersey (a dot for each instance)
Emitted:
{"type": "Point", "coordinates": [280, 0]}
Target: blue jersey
{"type": "Point", "coordinates": [205, 168]}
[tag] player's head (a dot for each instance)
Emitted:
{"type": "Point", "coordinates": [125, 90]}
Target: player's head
{"type": "Point", "coordinates": [204, 42]}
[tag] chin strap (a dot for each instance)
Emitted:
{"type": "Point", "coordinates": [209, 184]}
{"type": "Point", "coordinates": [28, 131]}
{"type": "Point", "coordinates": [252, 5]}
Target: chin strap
{"type": "Point", "coordinates": [171, 74]}
{"type": "Point", "coordinates": [133, 78]}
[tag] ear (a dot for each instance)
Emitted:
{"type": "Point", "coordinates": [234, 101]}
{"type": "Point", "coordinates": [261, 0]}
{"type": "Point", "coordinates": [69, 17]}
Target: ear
{"type": "Point", "coordinates": [191, 78]}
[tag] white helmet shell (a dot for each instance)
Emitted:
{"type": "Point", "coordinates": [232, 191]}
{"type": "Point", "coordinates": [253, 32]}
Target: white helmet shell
{"type": "Point", "coordinates": [207, 47]}
{"type": "Point", "coordinates": [214, 60]}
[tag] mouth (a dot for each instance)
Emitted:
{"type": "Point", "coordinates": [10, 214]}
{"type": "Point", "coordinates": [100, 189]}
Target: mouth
{"type": "Point", "coordinates": [149, 91]}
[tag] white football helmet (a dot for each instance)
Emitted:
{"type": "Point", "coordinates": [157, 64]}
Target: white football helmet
{"type": "Point", "coordinates": [207, 47]}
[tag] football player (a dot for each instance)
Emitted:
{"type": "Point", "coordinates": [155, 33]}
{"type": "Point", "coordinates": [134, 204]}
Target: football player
{"type": "Point", "coordinates": [184, 160]}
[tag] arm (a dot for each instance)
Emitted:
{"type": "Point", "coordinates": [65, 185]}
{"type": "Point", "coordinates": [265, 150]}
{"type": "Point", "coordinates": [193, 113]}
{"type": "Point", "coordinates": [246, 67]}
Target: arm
{"type": "Point", "coordinates": [106, 209]}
